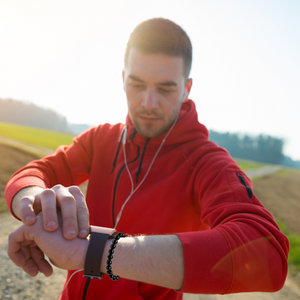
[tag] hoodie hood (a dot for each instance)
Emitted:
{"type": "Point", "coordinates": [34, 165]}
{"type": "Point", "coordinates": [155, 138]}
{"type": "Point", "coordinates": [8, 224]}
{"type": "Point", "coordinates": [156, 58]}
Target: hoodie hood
{"type": "Point", "coordinates": [187, 128]}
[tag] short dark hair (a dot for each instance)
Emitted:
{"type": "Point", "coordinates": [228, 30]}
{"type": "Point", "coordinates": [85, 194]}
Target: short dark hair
{"type": "Point", "coordinates": [161, 36]}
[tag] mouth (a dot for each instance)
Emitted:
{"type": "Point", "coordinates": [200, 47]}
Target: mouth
{"type": "Point", "coordinates": [148, 119]}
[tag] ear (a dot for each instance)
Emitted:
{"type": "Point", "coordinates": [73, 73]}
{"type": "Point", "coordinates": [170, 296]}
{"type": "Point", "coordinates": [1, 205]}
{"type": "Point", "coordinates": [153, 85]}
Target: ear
{"type": "Point", "coordinates": [188, 87]}
{"type": "Point", "coordinates": [123, 76]}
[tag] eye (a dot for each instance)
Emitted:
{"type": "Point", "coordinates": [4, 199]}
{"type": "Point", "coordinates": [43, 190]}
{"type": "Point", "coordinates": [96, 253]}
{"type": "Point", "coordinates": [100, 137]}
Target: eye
{"type": "Point", "coordinates": [165, 91]}
{"type": "Point", "coordinates": [137, 86]}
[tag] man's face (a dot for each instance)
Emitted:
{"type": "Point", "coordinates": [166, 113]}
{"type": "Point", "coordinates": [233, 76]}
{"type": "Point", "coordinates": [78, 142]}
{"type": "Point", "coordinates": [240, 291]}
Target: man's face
{"type": "Point", "coordinates": [155, 87]}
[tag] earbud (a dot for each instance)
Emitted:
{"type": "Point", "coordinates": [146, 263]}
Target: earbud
{"type": "Point", "coordinates": [124, 135]}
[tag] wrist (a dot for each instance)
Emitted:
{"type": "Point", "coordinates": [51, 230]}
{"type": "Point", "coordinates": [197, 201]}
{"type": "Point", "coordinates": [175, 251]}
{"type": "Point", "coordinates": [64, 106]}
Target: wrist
{"type": "Point", "coordinates": [30, 191]}
{"type": "Point", "coordinates": [123, 250]}
{"type": "Point", "coordinates": [82, 256]}
{"type": "Point", "coordinates": [98, 238]}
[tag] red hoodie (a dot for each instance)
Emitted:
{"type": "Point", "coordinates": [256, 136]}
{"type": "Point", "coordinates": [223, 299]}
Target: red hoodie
{"type": "Point", "coordinates": [194, 189]}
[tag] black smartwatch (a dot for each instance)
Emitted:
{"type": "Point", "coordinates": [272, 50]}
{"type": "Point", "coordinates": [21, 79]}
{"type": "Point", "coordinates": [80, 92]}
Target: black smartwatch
{"type": "Point", "coordinates": [98, 239]}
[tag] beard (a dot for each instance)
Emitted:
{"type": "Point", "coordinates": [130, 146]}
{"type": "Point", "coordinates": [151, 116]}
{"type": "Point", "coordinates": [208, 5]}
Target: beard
{"type": "Point", "coordinates": [152, 130]}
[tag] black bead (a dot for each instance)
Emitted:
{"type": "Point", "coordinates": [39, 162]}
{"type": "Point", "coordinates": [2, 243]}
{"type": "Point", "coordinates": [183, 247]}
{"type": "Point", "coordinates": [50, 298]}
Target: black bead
{"type": "Point", "coordinates": [110, 256]}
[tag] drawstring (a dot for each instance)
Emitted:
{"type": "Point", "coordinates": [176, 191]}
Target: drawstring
{"type": "Point", "coordinates": [141, 161]}
{"type": "Point", "coordinates": [133, 134]}
{"type": "Point", "coordinates": [145, 176]}
{"type": "Point", "coordinates": [118, 149]}
{"type": "Point", "coordinates": [119, 145]}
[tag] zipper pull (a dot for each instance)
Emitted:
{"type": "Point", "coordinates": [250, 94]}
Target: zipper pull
{"type": "Point", "coordinates": [244, 184]}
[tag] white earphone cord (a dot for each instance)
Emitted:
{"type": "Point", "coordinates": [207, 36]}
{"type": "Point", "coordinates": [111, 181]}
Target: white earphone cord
{"type": "Point", "coordinates": [68, 282]}
{"type": "Point", "coordinates": [124, 153]}
{"type": "Point", "coordinates": [132, 185]}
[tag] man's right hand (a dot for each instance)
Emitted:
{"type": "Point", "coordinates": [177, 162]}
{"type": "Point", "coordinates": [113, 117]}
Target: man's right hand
{"type": "Point", "coordinates": [30, 201]}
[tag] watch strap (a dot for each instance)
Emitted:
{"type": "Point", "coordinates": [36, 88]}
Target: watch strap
{"type": "Point", "coordinates": [98, 239]}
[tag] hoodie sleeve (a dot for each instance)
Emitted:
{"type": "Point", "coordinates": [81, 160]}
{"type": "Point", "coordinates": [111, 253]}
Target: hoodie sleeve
{"type": "Point", "coordinates": [243, 250]}
{"type": "Point", "coordinates": [69, 165]}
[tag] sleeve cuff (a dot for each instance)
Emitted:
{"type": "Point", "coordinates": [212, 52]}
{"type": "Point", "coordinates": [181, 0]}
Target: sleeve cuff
{"type": "Point", "coordinates": [207, 262]}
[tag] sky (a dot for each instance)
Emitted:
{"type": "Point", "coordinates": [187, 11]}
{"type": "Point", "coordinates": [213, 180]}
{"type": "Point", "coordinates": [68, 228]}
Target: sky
{"type": "Point", "coordinates": [68, 56]}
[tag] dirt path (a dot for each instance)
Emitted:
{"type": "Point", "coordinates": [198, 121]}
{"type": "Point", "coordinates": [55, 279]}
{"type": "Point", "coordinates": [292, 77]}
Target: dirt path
{"type": "Point", "coordinates": [33, 149]}
{"type": "Point", "coordinates": [266, 170]}
{"type": "Point", "coordinates": [280, 195]}
{"type": "Point", "coordinates": [15, 284]}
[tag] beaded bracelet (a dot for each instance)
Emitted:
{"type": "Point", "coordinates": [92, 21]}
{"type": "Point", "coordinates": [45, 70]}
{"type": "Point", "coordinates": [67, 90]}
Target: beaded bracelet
{"type": "Point", "coordinates": [110, 256]}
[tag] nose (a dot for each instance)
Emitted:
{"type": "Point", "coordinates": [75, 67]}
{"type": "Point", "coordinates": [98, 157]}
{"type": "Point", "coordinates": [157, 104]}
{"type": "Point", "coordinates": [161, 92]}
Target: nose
{"type": "Point", "coordinates": [150, 101]}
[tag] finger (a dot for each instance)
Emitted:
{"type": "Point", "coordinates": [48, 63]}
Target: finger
{"type": "Point", "coordinates": [17, 258]}
{"type": "Point", "coordinates": [25, 253]}
{"type": "Point", "coordinates": [14, 247]}
{"type": "Point", "coordinates": [26, 210]}
{"type": "Point", "coordinates": [45, 268]}
{"type": "Point", "coordinates": [67, 204]}
{"type": "Point", "coordinates": [48, 204]}
{"type": "Point", "coordinates": [82, 211]}
{"type": "Point", "coordinates": [37, 205]}
{"type": "Point", "coordinates": [30, 267]}
{"type": "Point", "coordinates": [39, 259]}
{"type": "Point", "coordinates": [18, 251]}
{"type": "Point", "coordinates": [25, 250]}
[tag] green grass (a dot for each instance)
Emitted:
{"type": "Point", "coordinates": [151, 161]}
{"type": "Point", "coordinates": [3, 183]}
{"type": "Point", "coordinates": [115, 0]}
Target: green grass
{"type": "Point", "coordinates": [284, 172]}
{"type": "Point", "coordinates": [294, 239]}
{"type": "Point", "coordinates": [52, 139]}
{"type": "Point", "coordinates": [248, 164]}
{"type": "Point", "coordinates": [35, 136]}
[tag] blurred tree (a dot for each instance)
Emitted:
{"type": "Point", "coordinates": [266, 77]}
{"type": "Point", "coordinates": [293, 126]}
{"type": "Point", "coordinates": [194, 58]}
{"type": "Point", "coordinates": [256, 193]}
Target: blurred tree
{"type": "Point", "coordinates": [28, 114]}
{"type": "Point", "coordinates": [262, 148]}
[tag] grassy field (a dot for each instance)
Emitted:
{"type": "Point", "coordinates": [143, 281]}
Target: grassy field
{"type": "Point", "coordinates": [40, 137]}
{"type": "Point", "coordinates": [52, 139]}
{"type": "Point", "coordinates": [248, 164]}
{"type": "Point", "coordinates": [294, 239]}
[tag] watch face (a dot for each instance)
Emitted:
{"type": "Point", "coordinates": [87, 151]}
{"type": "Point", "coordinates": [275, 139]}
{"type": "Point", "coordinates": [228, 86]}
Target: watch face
{"type": "Point", "coordinates": [103, 230]}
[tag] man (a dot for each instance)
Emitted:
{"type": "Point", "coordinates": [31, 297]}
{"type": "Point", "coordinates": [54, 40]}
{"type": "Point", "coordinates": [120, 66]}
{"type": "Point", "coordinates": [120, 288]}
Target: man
{"type": "Point", "coordinates": [192, 221]}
